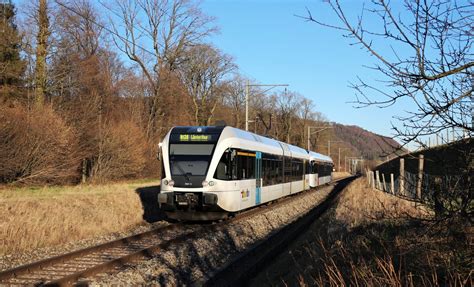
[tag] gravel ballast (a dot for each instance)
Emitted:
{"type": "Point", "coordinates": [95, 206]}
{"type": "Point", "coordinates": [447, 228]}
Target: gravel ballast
{"type": "Point", "coordinates": [9, 261]}
{"type": "Point", "coordinates": [196, 259]}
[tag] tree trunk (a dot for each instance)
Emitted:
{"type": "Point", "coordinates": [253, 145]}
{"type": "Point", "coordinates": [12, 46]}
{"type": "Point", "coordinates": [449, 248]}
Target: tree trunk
{"type": "Point", "coordinates": [41, 53]}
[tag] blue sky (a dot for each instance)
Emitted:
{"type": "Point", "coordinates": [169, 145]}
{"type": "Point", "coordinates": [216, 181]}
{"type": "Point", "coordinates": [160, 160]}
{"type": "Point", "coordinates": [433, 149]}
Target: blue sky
{"type": "Point", "coordinates": [271, 45]}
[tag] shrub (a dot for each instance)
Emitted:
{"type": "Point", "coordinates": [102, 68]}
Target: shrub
{"type": "Point", "coordinates": [120, 154]}
{"type": "Point", "coordinates": [36, 146]}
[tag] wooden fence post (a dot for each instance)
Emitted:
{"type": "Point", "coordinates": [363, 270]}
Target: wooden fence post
{"type": "Point", "coordinates": [421, 161]}
{"type": "Point", "coordinates": [383, 180]}
{"type": "Point", "coordinates": [367, 175]}
{"type": "Point", "coordinates": [392, 184]}
{"type": "Point", "coordinates": [377, 178]}
{"type": "Point", "coordinates": [402, 177]}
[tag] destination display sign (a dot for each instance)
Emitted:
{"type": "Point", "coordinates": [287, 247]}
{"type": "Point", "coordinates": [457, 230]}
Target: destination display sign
{"type": "Point", "coordinates": [194, 138]}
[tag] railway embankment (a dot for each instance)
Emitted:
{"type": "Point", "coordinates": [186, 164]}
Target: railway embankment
{"type": "Point", "coordinates": [195, 260]}
{"type": "Point", "coordinates": [191, 261]}
{"type": "Point", "coordinates": [366, 237]}
{"type": "Point", "coordinates": [372, 238]}
{"type": "Point", "coordinates": [45, 221]}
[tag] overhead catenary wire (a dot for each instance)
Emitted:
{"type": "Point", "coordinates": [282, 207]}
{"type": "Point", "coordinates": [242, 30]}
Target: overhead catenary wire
{"type": "Point", "coordinates": [241, 71]}
{"type": "Point", "coordinates": [122, 38]}
{"type": "Point", "coordinates": [105, 28]}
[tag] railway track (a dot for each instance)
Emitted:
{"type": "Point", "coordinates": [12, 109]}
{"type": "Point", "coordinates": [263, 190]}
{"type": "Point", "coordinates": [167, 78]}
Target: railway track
{"type": "Point", "coordinates": [69, 268]}
{"type": "Point", "coordinates": [76, 267]}
{"type": "Point", "coordinates": [246, 266]}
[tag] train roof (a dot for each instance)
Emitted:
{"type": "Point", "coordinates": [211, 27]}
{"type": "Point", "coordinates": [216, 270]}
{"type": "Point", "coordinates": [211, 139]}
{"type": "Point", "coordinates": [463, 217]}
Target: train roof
{"type": "Point", "coordinates": [266, 141]}
{"type": "Point", "coordinates": [251, 140]}
{"type": "Point", "coordinates": [320, 157]}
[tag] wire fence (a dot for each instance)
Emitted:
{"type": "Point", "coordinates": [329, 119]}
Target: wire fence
{"type": "Point", "coordinates": [425, 192]}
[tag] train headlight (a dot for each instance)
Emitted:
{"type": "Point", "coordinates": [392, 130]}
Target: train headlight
{"type": "Point", "coordinates": [165, 181]}
{"type": "Point", "coordinates": [171, 182]}
{"type": "Point", "coordinates": [208, 183]}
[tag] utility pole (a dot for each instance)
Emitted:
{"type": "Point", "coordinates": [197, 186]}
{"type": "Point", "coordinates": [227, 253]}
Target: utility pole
{"type": "Point", "coordinates": [329, 146]}
{"type": "Point", "coordinates": [339, 158]}
{"type": "Point", "coordinates": [247, 86]}
{"type": "Point", "coordinates": [247, 105]}
{"type": "Point", "coordinates": [353, 159]}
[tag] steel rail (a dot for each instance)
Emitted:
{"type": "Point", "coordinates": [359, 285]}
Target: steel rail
{"type": "Point", "coordinates": [73, 276]}
{"type": "Point", "coordinates": [244, 267]}
{"type": "Point", "coordinates": [61, 259]}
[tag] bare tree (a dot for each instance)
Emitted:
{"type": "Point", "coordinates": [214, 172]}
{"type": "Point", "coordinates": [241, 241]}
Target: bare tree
{"type": "Point", "coordinates": [79, 19]}
{"type": "Point", "coordinates": [306, 115]}
{"type": "Point", "coordinates": [430, 63]}
{"type": "Point", "coordinates": [288, 104]}
{"type": "Point", "coordinates": [235, 99]}
{"type": "Point", "coordinates": [203, 73]}
{"type": "Point", "coordinates": [154, 34]}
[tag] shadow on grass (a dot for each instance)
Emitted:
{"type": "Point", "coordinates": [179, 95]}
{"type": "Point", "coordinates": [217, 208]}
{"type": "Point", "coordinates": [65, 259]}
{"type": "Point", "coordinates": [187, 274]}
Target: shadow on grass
{"type": "Point", "coordinates": [149, 199]}
{"type": "Point", "coordinates": [385, 253]}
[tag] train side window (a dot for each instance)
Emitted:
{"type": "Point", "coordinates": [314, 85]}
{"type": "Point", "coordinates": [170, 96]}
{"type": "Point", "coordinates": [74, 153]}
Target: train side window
{"type": "Point", "coordinates": [293, 169]}
{"type": "Point", "coordinates": [234, 171]}
{"type": "Point", "coordinates": [268, 174]}
{"type": "Point", "coordinates": [280, 170]}
{"type": "Point", "coordinates": [288, 169]}
{"type": "Point", "coordinates": [223, 170]}
{"type": "Point", "coordinates": [296, 169]}
{"type": "Point", "coordinates": [264, 171]}
{"type": "Point", "coordinates": [251, 167]}
{"type": "Point", "coordinates": [274, 171]}
{"type": "Point", "coordinates": [243, 165]}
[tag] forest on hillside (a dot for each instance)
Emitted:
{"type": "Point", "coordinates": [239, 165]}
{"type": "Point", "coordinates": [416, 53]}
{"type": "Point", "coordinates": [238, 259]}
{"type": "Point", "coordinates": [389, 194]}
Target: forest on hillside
{"type": "Point", "coordinates": [88, 90]}
{"type": "Point", "coordinates": [370, 146]}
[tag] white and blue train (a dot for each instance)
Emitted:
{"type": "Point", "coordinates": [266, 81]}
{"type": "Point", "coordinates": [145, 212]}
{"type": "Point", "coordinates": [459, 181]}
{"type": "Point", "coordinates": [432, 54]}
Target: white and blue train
{"type": "Point", "coordinates": [211, 172]}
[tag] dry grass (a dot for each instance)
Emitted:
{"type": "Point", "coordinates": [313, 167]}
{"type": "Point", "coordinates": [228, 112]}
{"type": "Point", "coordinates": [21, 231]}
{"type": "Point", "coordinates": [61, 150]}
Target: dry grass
{"type": "Point", "coordinates": [374, 239]}
{"type": "Point", "coordinates": [360, 204]}
{"type": "Point", "coordinates": [49, 216]}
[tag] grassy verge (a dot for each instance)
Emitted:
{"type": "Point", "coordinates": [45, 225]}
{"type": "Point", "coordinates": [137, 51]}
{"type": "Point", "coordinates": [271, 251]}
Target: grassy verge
{"type": "Point", "coordinates": [374, 239]}
{"type": "Point", "coordinates": [48, 216]}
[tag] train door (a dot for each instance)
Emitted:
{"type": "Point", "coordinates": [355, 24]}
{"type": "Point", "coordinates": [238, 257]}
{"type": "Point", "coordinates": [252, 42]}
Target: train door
{"type": "Point", "coordinates": [313, 177]}
{"type": "Point", "coordinates": [305, 180]}
{"type": "Point", "coordinates": [258, 177]}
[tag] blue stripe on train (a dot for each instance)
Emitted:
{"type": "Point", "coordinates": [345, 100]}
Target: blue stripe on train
{"type": "Point", "coordinates": [258, 177]}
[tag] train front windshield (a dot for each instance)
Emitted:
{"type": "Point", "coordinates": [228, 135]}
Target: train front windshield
{"type": "Point", "coordinates": [190, 160]}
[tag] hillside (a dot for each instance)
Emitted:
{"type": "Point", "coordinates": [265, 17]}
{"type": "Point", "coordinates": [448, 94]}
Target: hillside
{"type": "Point", "coordinates": [368, 144]}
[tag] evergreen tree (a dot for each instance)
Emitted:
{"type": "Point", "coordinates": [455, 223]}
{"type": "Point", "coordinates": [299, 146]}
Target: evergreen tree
{"type": "Point", "coordinates": [12, 66]}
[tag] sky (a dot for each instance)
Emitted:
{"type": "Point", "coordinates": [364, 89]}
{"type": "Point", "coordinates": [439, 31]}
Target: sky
{"type": "Point", "coordinates": [271, 45]}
